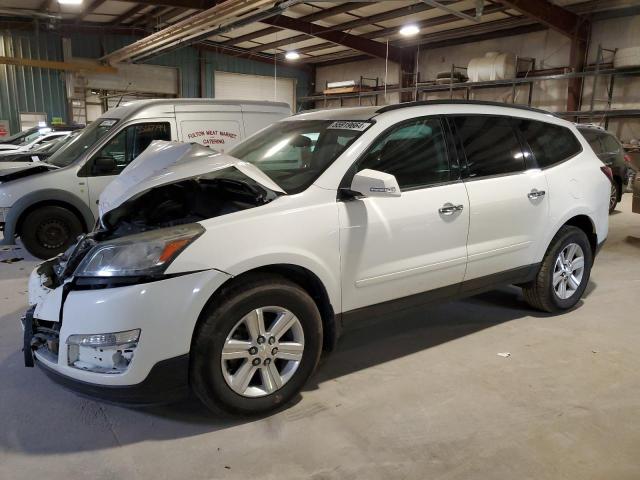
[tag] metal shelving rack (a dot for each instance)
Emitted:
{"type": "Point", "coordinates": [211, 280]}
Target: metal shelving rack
{"type": "Point", "coordinates": [597, 72]}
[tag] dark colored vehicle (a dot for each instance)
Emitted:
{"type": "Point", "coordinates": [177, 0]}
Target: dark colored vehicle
{"type": "Point", "coordinates": [611, 152]}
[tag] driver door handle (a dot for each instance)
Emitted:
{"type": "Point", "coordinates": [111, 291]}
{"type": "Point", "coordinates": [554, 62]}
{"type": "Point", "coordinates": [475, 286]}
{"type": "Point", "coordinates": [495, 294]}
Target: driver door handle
{"type": "Point", "coordinates": [449, 209]}
{"type": "Point", "coordinates": [535, 193]}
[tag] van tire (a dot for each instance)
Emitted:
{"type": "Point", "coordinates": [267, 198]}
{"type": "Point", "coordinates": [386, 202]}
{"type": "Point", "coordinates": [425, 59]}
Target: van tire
{"type": "Point", "coordinates": [540, 293]}
{"type": "Point", "coordinates": [218, 320]}
{"type": "Point", "coordinates": [48, 231]}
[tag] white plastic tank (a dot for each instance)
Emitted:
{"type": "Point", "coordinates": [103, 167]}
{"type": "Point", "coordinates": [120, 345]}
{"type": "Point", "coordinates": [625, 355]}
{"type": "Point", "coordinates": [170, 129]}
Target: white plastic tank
{"type": "Point", "coordinates": [627, 57]}
{"type": "Point", "coordinates": [493, 66]}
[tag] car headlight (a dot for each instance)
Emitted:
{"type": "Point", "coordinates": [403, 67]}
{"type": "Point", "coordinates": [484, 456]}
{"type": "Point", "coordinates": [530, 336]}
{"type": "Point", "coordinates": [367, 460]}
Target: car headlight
{"type": "Point", "coordinates": [148, 253]}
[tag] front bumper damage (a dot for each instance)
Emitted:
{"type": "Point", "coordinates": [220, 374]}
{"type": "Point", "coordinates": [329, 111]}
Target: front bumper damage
{"type": "Point", "coordinates": [164, 312]}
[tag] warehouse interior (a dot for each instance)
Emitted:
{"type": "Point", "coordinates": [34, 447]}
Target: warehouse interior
{"type": "Point", "coordinates": [481, 387]}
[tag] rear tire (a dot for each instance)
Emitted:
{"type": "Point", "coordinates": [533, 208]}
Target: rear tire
{"type": "Point", "coordinates": [226, 328]}
{"type": "Point", "coordinates": [546, 291]}
{"type": "Point", "coordinates": [50, 230]}
{"type": "Point", "coordinates": [613, 199]}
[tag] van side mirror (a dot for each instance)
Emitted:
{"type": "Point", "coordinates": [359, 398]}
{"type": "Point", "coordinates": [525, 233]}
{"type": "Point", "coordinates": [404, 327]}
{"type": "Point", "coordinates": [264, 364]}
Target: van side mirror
{"type": "Point", "coordinates": [373, 183]}
{"type": "Point", "coordinates": [104, 166]}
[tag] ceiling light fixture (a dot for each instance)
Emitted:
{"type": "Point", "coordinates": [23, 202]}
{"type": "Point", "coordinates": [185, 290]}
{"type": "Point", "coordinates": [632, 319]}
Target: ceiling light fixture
{"type": "Point", "coordinates": [409, 30]}
{"type": "Point", "coordinates": [70, 2]}
{"type": "Point", "coordinates": [292, 55]}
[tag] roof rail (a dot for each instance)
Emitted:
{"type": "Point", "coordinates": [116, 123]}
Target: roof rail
{"type": "Point", "coordinates": [389, 108]}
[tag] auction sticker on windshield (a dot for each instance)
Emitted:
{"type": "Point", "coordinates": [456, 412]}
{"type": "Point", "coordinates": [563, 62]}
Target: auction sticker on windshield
{"type": "Point", "coordinates": [349, 125]}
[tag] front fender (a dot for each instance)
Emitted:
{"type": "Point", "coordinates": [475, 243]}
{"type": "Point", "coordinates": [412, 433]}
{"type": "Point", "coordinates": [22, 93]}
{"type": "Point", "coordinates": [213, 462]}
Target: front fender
{"type": "Point", "coordinates": [40, 196]}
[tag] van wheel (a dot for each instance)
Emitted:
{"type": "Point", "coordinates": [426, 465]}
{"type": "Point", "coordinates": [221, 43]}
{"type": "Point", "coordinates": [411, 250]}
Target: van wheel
{"type": "Point", "coordinates": [613, 198]}
{"type": "Point", "coordinates": [256, 346]}
{"type": "Point", "coordinates": [564, 273]}
{"type": "Point", "coordinates": [48, 231]}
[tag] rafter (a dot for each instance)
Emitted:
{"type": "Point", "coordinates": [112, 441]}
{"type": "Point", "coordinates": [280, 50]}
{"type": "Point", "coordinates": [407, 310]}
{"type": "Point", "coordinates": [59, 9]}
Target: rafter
{"type": "Point", "coordinates": [431, 22]}
{"type": "Point", "coordinates": [128, 14]}
{"type": "Point", "coordinates": [89, 9]}
{"type": "Point", "coordinates": [319, 15]}
{"type": "Point", "coordinates": [547, 13]}
{"type": "Point", "coordinates": [354, 42]}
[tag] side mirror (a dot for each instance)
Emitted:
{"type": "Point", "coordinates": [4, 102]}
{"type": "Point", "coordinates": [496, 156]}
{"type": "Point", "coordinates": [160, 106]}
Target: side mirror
{"type": "Point", "coordinates": [104, 166]}
{"type": "Point", "coordinates": [373, 183]}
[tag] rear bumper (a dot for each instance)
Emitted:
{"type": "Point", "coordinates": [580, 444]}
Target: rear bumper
{"type": "Point", "coordinates": [168, 381]}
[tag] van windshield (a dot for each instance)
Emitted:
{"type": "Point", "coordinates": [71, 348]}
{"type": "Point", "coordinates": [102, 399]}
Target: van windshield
{"type": "Point", "coordinates": [73, 150]}
{"type": "Point", "coordinates": [295, 153]}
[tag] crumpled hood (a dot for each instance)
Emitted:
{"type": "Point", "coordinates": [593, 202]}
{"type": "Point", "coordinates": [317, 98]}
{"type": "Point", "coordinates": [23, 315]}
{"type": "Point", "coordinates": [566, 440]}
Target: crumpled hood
{"type": "Point", "coordinates": [163, 163]}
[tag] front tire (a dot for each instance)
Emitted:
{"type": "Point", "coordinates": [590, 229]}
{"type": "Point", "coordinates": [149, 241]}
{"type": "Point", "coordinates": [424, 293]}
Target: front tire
{"type": "Point", "coordinates": [256, 346]}
{"type": "Point", "coordinates": [564, 273]}
{"type": "Point", "coordinates": [50, 230]}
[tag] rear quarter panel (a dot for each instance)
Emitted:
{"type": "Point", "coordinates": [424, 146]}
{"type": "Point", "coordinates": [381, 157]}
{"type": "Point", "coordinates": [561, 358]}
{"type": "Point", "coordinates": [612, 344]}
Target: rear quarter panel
{"type": "Point", "coordinates": [578, 187]}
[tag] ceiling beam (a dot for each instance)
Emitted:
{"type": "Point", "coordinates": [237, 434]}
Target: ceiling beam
{"type": "Point", "coordinates": [319, 15]}
{"type": "Point", "coordinates": [555, 17]}
{"type": "Point", "coordinates": [75, 66]}
{"type": "Point", "coordinates": [194, 4]}
{"type": "Point", "coordinates": [87, 10]}
{"type": "Point", "coordinates": [354, 42]}
{"type": "Point", "coordinates": [127, 15]}
{"type": "Point", "coordinates": [431, 22]}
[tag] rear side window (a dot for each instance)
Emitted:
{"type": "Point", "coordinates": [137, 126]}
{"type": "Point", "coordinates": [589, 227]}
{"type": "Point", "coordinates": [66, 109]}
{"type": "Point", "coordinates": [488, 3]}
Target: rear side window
{"type": "Point", "coordinates": [490, 144]}
{"type": "Point", "coordinates": [414, 152]}
{"type": "Point", "coordinates": [610, 144]}
{"type": "Point", "coordinates": [550, 144]}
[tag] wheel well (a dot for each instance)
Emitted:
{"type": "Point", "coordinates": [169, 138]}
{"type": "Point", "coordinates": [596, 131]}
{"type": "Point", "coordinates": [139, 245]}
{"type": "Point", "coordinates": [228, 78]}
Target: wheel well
{"type": "Point", "coordinates": [585, 224]}
{"type": "Point", "coordinates": [50, 203]}
{"type": "Point", "coordinates": [311, 284]}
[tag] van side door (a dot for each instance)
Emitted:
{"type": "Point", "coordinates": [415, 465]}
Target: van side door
{"type": "Point", "coordinates": [509, 205]}
{"type": "Point", "coordinates": [118, 152]}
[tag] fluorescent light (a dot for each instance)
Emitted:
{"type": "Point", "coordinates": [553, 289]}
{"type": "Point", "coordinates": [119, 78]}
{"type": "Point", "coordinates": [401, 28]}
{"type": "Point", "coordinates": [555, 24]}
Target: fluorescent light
{"type": "Point", "coordinates": [70, 2]}
{"type": "Point", "coordinates": [409, 30]}
{"type": "Point", "coordinates": [292, 55]}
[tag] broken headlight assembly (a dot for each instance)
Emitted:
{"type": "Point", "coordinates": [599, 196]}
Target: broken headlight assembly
{"type": "Point", "coordinates": [142, 254]}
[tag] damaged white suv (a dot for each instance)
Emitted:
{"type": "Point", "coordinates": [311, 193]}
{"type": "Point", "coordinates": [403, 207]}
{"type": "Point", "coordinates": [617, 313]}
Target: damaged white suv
{"type": "Point", "coordinates": [229, 274]}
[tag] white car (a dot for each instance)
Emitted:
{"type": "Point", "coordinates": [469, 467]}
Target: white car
{"type": "Point", "coordinates": [48, 204]}
{"type": "Point", "coordinates": [43, 139]}
{"type": "Point", "coordinates": [230, 273]}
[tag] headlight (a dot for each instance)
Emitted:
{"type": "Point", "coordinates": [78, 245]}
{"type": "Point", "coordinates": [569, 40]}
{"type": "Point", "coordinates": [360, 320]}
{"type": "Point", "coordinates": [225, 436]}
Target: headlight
{"type": "Point", "coordinates": [141, 254]}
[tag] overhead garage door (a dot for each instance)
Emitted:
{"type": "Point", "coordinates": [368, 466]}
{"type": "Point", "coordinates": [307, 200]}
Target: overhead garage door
{"type": "Point", "coordinates": [255, 87]}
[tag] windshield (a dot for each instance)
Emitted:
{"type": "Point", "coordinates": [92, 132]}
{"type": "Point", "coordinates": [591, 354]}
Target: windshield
{"type": "Point", "coordinates": [16, 138]}
{"type": "Point", "coordinates": [73, 150]}
{"type": "Point", "coordinates": [295, 153]}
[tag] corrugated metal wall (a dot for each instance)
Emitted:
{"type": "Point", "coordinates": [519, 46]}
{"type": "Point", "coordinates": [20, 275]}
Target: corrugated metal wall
{"type": "Point", "coordinates": [27, 89]}
{"type": "Point", "coordinates": [43, 90]}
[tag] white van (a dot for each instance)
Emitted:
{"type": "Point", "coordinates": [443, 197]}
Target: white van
{"type": "Point", "coordinates": [48, 204]}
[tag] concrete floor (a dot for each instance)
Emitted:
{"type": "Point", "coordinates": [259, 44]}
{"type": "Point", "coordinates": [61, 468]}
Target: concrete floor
{"type": "Point", "coordinates": [416, 395]}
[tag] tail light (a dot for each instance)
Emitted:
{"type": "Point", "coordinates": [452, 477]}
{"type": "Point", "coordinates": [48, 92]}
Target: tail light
{"type": "Point", "coordinates": [608, 172]}
{"type": "Point", "coordinates": [627, 159]}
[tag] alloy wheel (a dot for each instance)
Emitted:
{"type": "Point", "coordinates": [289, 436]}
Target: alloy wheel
{"type": "Point", "coordinates": [613, 199]}
{"type": "Point", "coordinates": [568, 271]}
{"type": "Point", "coordinates": [263, 351]}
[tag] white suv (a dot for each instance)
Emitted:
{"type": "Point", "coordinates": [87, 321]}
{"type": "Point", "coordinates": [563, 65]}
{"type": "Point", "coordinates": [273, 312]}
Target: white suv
{"type": "Point", "coordinates": [229, 274]}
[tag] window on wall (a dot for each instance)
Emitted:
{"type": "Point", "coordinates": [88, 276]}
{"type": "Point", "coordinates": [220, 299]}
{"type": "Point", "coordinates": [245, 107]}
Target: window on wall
{"type": "Point", "coordinates": [414, 152]}
{"type": "Point", "coordinates": [32, 119]}
{"type": "Point", "coordinates": [490, 145]}
{"type": "Point", "coordinates": [550, 144]}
